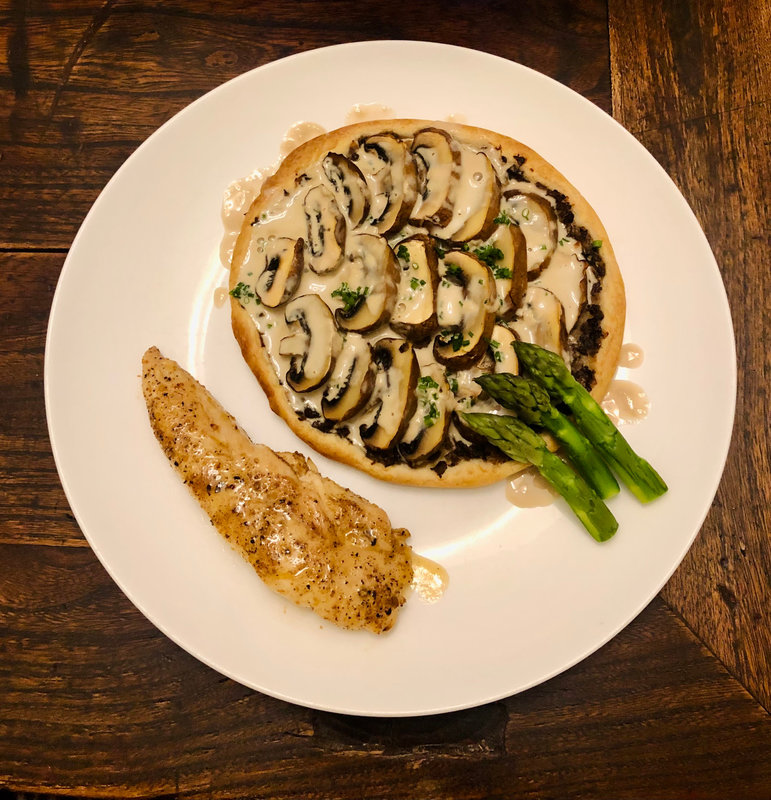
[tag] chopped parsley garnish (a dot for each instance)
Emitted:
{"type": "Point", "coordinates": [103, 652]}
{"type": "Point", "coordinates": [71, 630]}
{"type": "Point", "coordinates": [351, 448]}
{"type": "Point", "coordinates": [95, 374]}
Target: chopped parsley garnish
{"type": "Point", "coordinates": [543, 247]}
{"type": "Point", "coordinates": [402, 252]}
{"type": "Point", "coordinates": [453, 381]}
{"type": "Point", "coordinates": [597, 244]}
{"type": "Point", "coordinates": [465, 247]}
{"type": "Point", "coordinates": [416, 283]}
{"type": "Point", "coordinates": [454, 270]}
{"type": "Point", "coordinates": [351, 297]}
{"type": "Point", "coordinates": [440, 253]}
{"type": "Point", "coordinates": [242, 291]}
{"type": "Point", "coordinates": [502, 219]}
{"type": "Point", "coordinates": [525, 213]}
{"type": "Point", "coordinates": [489, 253]}
{"type": "Point", "coordinates": [455, 339]}
{"type": "Point", "coordinates": [563, 241]}
{"type": "Point", "coordinates": [501, 272]}
{"type": "Point", "coordinates": [426, 382]}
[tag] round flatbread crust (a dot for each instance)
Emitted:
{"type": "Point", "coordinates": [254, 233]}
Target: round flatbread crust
{"type": "Point", "coordinates": [465, 474]}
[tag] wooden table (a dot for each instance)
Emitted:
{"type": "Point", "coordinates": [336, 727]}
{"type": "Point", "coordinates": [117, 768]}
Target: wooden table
{"type": "Point", "coordinates": [95, 701]}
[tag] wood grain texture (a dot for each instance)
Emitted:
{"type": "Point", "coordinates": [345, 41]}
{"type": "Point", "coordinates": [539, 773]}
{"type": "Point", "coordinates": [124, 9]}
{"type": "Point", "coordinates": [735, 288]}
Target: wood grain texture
{"type": "Point", "coordinates": [95, 702]}
{"type": "Point", "coordinates": [697, 94]}
{"type": "Point", "coordinates": [71, 116]}
{"type": "Point", "coordinates": [124, 712]}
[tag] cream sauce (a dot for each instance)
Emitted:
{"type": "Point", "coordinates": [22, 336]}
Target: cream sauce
{"type": "Point", "coordinates": [236, 201]}
{"type": "Point", "coordinates": [472, 193]}
{"type": "Point", "coordinates": [429, 579]}
{"type": "Point", "coordinates": [565, 277]}
{"type": "Point", "coordinates": [529, 490]}
{"type": "Point", "coordinates": [363, 112]}
{"type": "Point", "coordinates": [220, 296]}
{"type": "Point", "coordinates": [631, 356]}
{"type": "Point", "coordinates": [626, 402]}
{"type": "Point", "coordinates": [299, 133]}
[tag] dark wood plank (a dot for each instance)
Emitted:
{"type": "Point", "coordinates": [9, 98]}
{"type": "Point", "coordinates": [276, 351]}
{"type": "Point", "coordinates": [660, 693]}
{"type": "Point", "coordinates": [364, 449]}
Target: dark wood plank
{"type": "Point", "coordinates": [34, 507]}
{"type": "Point", "coordinates": [703, 111]}
{"type": "Point", "coordinates": [71, 114]}
{"type": "Point", "coordinates": [93, 700]}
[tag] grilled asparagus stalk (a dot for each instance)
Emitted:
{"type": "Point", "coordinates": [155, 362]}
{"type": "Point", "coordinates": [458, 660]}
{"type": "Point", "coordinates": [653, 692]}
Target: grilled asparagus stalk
{"type": "Point", "coordinates": [533, 407]}
{"type": "Point", "coordinates": [519, 442]}
{"type": "Point", "coordinates": [549, 370]}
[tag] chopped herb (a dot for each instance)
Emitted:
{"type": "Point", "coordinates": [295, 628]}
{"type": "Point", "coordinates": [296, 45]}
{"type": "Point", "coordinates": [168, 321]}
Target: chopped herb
{"type": "Point", "coordinates": [270, 325]}
{"type": "Point", "coordinates": [597, 244]}
{"type": "Point", "coordinates": [501, 272]}
{"type": "Point", "coordinates": [402, 252]}
{"type": "Point", "coordinates": [242, 291]}
{"type": "Point", "coordinates": [416, 283]}
{"type": "Point", "coordinates": [454, 339]}
{"type": "Point", "coordinates": [502, 219]}
{"type": "Point", "coordinates": [543, 247]}
{"type": "Point", "coordinates": [440, 253]}
{"type": "Point", "coordinates": [453, 381]}
{"type": "Point", "coordinates": [465, 247]}
{"type": "Point", "coordinates": [415, 265]}
{"type": "Point", "coordinates": [563, 241]}
{"type": "Point", "coordinates": [426, 382]}
{"type": "Point", "coordinates": [495, 345]}
{"type": "Point", "coordinates": [454, 270]}
{"type": "Point", "coordinates": [489, 254]}
{"type": "Point", "coordinates": [445, 284]}
{"type": "Point", "coordinates": [351, 298]}
{"type": "Point", "coordinates": [525, 213]}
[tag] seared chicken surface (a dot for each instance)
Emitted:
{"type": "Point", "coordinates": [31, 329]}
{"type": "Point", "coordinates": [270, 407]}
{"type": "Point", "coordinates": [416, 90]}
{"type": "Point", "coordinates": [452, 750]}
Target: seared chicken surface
{"type": "Point", "coordinates": [309, 539]}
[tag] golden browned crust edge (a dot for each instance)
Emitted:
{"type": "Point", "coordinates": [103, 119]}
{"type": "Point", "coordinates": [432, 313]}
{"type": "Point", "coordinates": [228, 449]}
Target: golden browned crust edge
{"type": "Point", "coordinates": [467, 474]}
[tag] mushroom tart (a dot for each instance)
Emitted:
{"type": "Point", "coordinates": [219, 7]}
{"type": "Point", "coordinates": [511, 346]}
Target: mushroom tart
{"type": "Point", "coordinates": [387, 264]}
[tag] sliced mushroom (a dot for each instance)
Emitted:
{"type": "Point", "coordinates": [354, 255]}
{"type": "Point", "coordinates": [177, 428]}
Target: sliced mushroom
{"type": "Point", "coordinates": [465, 310]}
{"type": "Point", "coordinates": [538, 221]}
{"type": "Point", "coordinates": [541, 320]}
{"type": "Point", "coordinates": [389, 166]}
{"type": "Point", "coordinates": [477, 201]}
{"type": "Point", "coordinates": [352, 381]}
{"type": "Point", "coordinates": [311, 344]}
{"type": "Point", "coordinates": [437, 158]}
{"type": "Point", "coordinates": [370, 280]}
{"type": "Point", "coordinates": [393, 397]}
{"type": "Point", "coordinates": [326, 230]}
{"type": "Point", "coordinates": [427, 430]}
{"type": "Point", "coordinates": [506, 254]}
{"type": "Point", "coordinates": [566, 277]}
{"type": "Point", "coordinates": [414, 315]}
{"type": "Point", "coordinates": [502, 348]}
{"type": "Point", "coordinates": [284, 261]}
{"type": "Point", "coordinates": [349, 186]}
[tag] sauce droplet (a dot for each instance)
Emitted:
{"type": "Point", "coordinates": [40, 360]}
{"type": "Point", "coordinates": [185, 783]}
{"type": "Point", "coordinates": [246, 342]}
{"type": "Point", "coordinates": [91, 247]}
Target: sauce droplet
{"type": "Point", "coordinates": [361, 112]}
{"type": "Point", "coordinates": [299, 133]}
{"type": "Point", "coordinates": [220, 296]}
{"type": "Point", "coordinates": [429, 579]}
{"type": "Point", "coordinates": [457, 118]}
{"type": "Point", "coordinates": [626, 402]}
{"type": "Point", "coordinates": [631, 356]}
{"type": "Point", "coordinates": [530, 490]}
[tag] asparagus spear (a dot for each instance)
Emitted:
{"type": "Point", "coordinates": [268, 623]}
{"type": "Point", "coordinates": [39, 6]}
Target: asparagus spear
{"type": "Point", "coordinates": [550, 371]}
{"type": "Point", "coordinates": [533, 407]}
{"type": "Point", "coordinates": [519, 442]}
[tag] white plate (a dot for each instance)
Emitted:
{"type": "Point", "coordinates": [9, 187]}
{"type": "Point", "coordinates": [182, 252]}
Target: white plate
{"type": "Point", "coordinates": [530, 593]}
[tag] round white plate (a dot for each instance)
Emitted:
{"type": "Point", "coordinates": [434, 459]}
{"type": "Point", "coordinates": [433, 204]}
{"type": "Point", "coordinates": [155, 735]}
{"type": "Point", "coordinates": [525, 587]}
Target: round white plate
{"type": "Point", "coordinates": [530, 592]}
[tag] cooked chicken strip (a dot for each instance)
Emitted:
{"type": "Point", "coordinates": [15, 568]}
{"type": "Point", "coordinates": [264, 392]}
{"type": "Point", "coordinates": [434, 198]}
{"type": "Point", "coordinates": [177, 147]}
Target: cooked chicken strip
{"type": "Point", "coordinates": [309, 539]}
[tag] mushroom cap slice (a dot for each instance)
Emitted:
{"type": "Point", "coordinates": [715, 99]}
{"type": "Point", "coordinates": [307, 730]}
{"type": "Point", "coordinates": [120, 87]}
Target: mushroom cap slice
{"type": "Point", "coordinates": [370, 280]}
{"type": "Point", "coordinates": [349, 186]}
{"type": "Point", "coordinates": [393, 398]}
{"type": "Point", "coordinates": [438, 158]}
{"type": "Point", "coordinates": [284, 262]}
{"type": "Point", "coordinates": [466, 310]}
{"type": "Point", "coordinates": [566, 277]}
{"type": "Point", "coordinates": [541, 320]}
{"type": "Point", "coordinates": [537, 219]}
{"type": "Point", "coordinates": [414, 314]}
{"type": "Point", "coordinates": [326, 230]}
{"type": "Point", "coordinates": [427, 430]}
{"type": "Point", "coordinates": [477, 200]}
{"type": "Point", "coordinates": [506, 254]}
{"type": "Point", "coordinates": [390, 170]}
{"type": "Point", "coordinates": [311, 343]}
{"type": "Point", "coordinates": [502, 348]}
{"type": "Point", "coordinates": [350, 384]}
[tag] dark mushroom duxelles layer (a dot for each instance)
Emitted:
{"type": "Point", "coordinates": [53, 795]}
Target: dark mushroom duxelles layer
{"type": "Point", "coordinates": [386, 265]}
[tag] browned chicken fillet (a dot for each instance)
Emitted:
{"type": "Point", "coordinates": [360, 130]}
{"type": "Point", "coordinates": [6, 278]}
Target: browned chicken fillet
{"type": "Point", "coordinates": [311, 540]}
